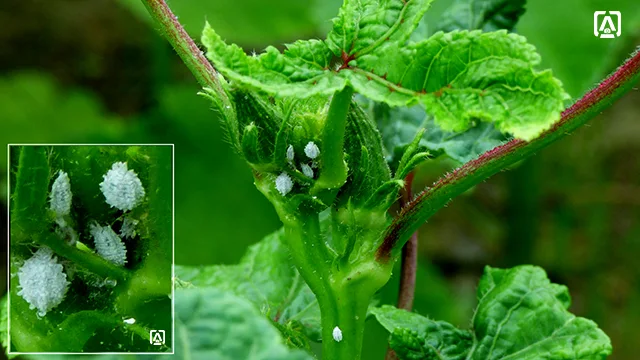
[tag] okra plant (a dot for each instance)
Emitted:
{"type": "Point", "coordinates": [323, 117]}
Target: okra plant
{"type": "Point", "coordinates": [333, 128]}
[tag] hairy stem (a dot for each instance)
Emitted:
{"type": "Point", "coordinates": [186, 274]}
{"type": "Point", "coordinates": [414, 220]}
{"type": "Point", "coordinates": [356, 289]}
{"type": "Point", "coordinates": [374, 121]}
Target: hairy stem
{"type": "Point", "coordinates": [409, 263]}
{"type": "Point", "coordinates": [186, 48]}
{"type": "Point", "coordinates": [493, 161]}
{"type": "Point", "coordinates": [409, 256]}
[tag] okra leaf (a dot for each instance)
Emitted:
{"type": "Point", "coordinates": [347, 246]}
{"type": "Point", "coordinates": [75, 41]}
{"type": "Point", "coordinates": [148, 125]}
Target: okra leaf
{"type": "Point", "coordinates": [301, 71]}
{"type": "Point", "coordinates": [398, 125]}
{"type": "Point", "coordinates": [464, 77]}
{"type": "Point", "coordinates": [266, 277]}
{"type": "Point", "coordinates": [362, 26]}
{"type": "Point", "coordinates": [461, 77]}
{"type": "Point", "coordinates": [486, 15]}
{"type": "Point", "coordinates": [417, 337]}
{"type": "Point", "coordinates": [521, 315]}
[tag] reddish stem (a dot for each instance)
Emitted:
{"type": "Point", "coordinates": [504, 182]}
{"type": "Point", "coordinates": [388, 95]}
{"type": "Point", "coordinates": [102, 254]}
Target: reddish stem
{"type": "Point", "coordinates": [409, 256]}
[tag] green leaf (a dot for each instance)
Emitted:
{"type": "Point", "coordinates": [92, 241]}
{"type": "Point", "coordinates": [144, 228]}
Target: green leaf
{"type": "Point", "coordinates": [266, 277]}
{"type": "Point", "coordinates": [213, 324]}
{"type": "Point", "coordinates": [486, 15]}
{"type": "Point", "coordinates": [465, 76]}
{"type": "Point", "coordinates": [414, 335]}
{"type": "Point", "coordinates": [399, 126]}
{"type": "Point", "coordinates": [362, 26]}
{"type": "Point", "coordinates": [460, 78]}
{"type": "Point", "coordinates": [521, 315]}
{"type": "Point", "coordinates": [301, 71]}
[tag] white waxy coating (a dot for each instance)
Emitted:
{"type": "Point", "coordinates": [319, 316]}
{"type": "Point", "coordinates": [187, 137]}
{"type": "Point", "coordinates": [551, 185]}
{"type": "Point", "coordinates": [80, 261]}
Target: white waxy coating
{"type": "Point", "coordinates": [284, 184]}
{"type": "Point", "coordinates": [60, 197]}
{"type": "Point", "coordinates": [307, 170]}
{"type": "Point", "coordinates": [337, 334]}
{"type": "Point", "coordinates": [290, 153]}
{"type": "Point", "coordinates": [42, 282]}
{"type": "Point", "coordinates": [108, 244]}
{"type": "Point", "coordinates": [121, 187]}
{"type": "Point", "coordinates": [311, 150]}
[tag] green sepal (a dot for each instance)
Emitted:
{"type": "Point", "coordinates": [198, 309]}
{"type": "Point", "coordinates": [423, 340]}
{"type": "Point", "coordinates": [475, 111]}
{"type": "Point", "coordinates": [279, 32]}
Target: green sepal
{"type": "Point", "coordinates": [368, 169]}
{"type": "Point", "coordinates": [415, 160]}
{"type": "Point", "coordinates": [251, 147]}
{"type": "Point", "coordinates": [230, 124]}
{"type": "Point", "coordinates": [256, 109]}
{"type": "Point", "coordinates": [385, 195]}
{"type": "Point", "coordinates": [283, 137]}
{"type": "Point", "coordinates": [411, 157]}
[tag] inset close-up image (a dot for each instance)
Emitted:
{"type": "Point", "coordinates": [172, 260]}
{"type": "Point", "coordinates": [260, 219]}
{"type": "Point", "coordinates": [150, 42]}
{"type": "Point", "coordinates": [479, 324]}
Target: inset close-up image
{"type": "Point", "coordinates": [90, 249]}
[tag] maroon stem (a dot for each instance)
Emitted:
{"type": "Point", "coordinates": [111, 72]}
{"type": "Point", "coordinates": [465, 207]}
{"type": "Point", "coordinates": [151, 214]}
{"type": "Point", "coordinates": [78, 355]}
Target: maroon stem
{"type": "Point", "coordinates": [409, 262]}
{"type": "Point", "coordinates": [409, 256]}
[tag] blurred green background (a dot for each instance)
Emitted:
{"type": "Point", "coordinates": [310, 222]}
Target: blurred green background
{"type": "Point", "coordinates": [98, 71]}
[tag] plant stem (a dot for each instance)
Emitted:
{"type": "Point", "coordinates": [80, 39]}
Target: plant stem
{"type": "Point", "coordinates": [409, 256]}
{"type": "Point", "coordinates": [409, 262]}
{"type": "Point", "coordinates": [89, 261]}
{"type": "Point", "coordinates": [493, 161]}
{"type": "Point", "coordinates": [186, 48]}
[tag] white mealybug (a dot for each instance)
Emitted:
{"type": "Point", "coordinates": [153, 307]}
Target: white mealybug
{"type": "Point", "coordinates": [311, 150]}
{"type": "Point", "coordinates": [108, 244]}
{"type": "Point", "coordinates": [307, 170]}
{"type": "Point", "coordinates": [284, 184]}
{"type": "Point", "coordinates": [128, 228]}
{"type": "Point", "coordinates": [337, 334]}
{"type": "Point", "coordinates": [121, 187]}
{"type": "Point", "coordinates": [42, 282]}
{"type": "Point", "coordinates": [290, 153]}
{"type": "Point", "coordinates": [129, 321]}
{"type": "Point", "coordinates": [60, 197]}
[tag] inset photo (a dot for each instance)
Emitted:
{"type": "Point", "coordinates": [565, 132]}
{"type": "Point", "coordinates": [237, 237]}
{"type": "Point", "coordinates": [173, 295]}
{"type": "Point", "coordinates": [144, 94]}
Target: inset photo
{"type": "Point", "coordinates": [90, 249]}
